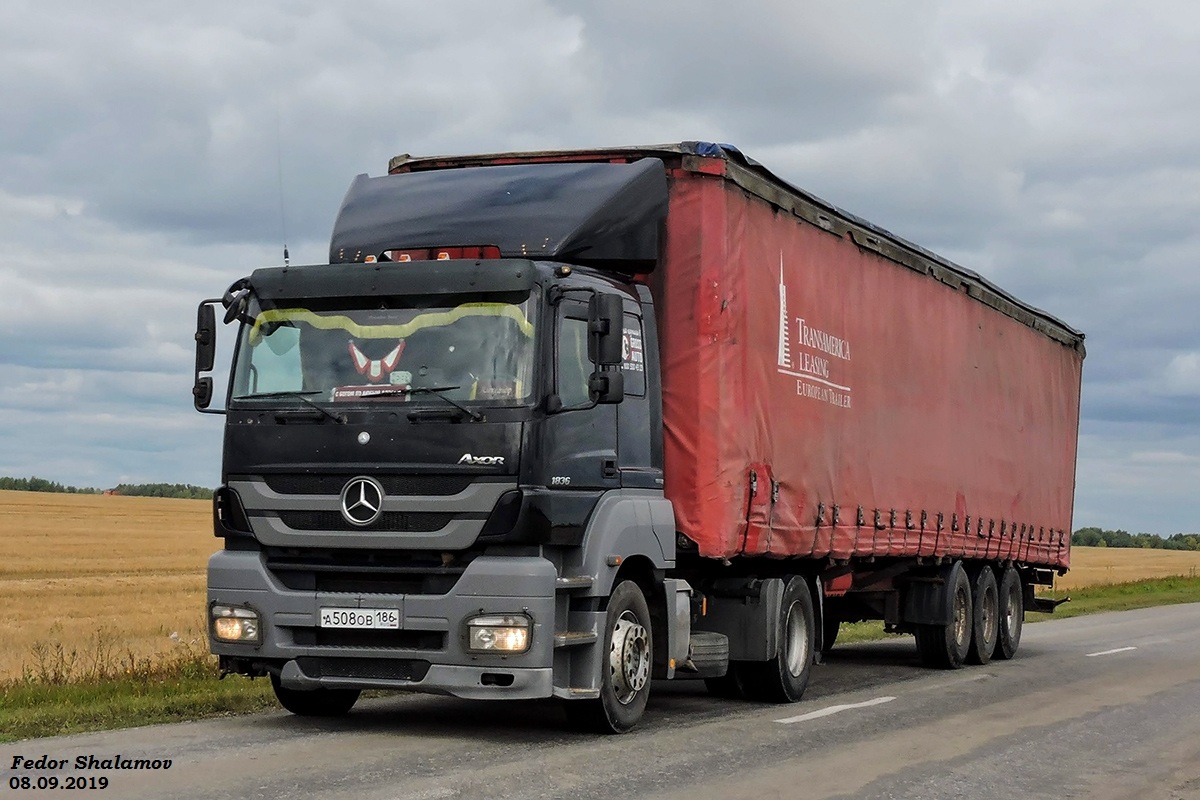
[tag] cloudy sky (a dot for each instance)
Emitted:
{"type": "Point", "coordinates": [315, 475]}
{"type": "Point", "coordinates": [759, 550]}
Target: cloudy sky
{"type": "Point", "coordinates": [1053, 147]}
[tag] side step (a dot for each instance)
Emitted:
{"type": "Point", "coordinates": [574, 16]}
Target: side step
{"type": "Point", "coordinates": [573, 582]}
{"type": "Point", "coordinates": [576, 694]}
{"type": "Point", "coordinates": [572, 638]}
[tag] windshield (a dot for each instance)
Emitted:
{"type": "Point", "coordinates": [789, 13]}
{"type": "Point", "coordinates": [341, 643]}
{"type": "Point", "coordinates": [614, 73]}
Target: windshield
{"type": "Point", "coordinates": [361, 350]}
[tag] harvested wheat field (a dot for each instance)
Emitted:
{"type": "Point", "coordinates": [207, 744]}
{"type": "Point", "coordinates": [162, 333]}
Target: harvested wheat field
{"type": "Point", "coordinates": [115, 578]}
{"type": "Point", "coordinates": [1092, 566]}
{"type": "Point", "coordinates": [108, 577]}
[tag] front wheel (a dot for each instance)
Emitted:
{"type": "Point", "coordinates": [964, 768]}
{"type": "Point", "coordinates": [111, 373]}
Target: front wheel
{"type": "Point", "coordinates": [315, 702]}
{"type": "Point", "coordinates": [625, 667]}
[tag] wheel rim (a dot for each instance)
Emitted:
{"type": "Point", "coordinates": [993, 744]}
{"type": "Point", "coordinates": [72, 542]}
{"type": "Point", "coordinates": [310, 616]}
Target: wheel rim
{"type": "Point", "coordinates": [629, 658]}
{"type": "Point", "coordinates": [797, 641]}
{"type": "Point", "coordinates": [962, 624]}
{"type": "Point", "coordinates": [991, 614]}
{"type": "Point", "coordinates": [1010, 610]}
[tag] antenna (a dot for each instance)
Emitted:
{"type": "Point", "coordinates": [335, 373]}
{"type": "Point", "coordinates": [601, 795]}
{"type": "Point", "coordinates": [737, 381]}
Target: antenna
{"type": "Point", "coordinates": [279, 165]}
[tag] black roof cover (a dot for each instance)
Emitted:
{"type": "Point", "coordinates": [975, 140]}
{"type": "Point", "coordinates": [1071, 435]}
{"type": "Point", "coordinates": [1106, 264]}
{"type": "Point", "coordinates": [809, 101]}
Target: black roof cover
{"type": "Point", "coordinates": [575, 212]}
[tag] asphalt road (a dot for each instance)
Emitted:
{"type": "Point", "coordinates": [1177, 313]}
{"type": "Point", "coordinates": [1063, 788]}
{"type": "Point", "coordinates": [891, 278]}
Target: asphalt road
{"type": "Point", "coordinates": [1105, 706]}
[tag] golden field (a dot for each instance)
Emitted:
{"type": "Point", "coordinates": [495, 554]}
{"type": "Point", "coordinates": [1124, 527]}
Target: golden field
{"type": "Point", "coordinates": [1094, 566]}
{"type": "Point", "coordinates": [124, 572]}
{"type": "Point", "coordinates": [128, 572]}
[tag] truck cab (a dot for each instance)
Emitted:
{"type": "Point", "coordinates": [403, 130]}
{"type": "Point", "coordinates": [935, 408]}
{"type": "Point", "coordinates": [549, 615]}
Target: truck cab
{"type": "Point", "coordinates": [441, 460]}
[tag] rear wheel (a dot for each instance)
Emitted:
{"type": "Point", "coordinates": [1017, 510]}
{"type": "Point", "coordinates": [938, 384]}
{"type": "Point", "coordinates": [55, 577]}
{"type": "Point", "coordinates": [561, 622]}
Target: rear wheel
{"type": "Point", "coordinates": [829, 633]}
{"type": "Point", "coordinates": [784, 678]}
{"type": "Point", "coordinates": [625, 668]}
{"type": "Point", "coordinates": [315, 702]}
{"type": "Point", "coordinates": [986, 626]}
{"type": "Point", "coordinates": [946, 646]}
{"type": "Point", "coordinates": [731, 685]}
{"type": "Point", "coordinates": [1011, 614]}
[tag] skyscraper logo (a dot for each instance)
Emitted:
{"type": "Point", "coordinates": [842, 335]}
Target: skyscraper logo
{"type": "Point", "coordinates": [785, 345]}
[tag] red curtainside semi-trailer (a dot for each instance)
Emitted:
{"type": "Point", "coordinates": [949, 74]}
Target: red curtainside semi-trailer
{"type": "Point", "coordinates": [831, 392]}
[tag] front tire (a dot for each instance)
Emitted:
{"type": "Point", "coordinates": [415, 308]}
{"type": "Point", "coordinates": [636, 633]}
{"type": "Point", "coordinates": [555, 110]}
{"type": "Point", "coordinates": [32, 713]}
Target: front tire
{"type": "Point", "coordinates": [628, 648]}
{"type": "Point", "coordinates": [784, 678]}
{"type": "Point", "coordinates": [315, 702]}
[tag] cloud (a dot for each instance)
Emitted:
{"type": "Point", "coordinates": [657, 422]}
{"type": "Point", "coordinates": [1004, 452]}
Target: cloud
{"type": "Point", "coordinates": [152, 154]}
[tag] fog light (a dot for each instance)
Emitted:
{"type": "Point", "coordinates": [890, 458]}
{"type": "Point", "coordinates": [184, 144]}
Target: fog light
{"type": "Point", "coordinates": [499, 633]}
{"type": "Point", "coordinates": [234, 624]}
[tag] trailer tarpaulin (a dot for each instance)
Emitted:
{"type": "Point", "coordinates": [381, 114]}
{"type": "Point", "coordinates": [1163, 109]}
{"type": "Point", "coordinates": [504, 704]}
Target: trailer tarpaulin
{"type": "Point", "coordinates": [822, 400]}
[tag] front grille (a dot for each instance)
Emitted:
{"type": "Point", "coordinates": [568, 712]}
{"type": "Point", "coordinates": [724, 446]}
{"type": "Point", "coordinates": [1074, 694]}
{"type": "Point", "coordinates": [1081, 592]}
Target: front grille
{"type": "Point", "coordinates": [396, 640]}
{"type": "Point", "coordinates": [365, 571]}
{"type": "Point", "coordinates": [401, 521]}
{"type": "Point", "coordinates": [400, 485]}
{"type": "Point", "coordinates": [387, 669]}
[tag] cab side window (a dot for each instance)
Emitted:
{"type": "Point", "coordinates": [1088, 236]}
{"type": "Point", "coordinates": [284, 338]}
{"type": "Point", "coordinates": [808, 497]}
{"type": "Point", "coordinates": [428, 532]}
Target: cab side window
{"type": "Point", "coordinates": [572, 367]}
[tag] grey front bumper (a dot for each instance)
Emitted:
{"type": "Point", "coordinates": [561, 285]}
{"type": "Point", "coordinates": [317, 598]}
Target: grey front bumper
{"type": "Point", "coordinates": [490, 585]}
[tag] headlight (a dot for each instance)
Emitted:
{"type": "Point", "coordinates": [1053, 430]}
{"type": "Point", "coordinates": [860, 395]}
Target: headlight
{"type": "Point", "coordinates": [499, 633]}
{"type": "Point", "coordinates": [235, 624]}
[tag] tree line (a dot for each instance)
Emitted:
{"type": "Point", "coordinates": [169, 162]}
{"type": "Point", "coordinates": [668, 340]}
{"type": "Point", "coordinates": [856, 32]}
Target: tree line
{"type": "Point", "coordinates": [180, 490]}
{"type": "Point", "coordinates": [1096, 537]}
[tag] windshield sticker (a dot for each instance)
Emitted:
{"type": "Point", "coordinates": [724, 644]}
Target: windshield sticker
{"type": "Point", "coordinates": [631, 350]}
{"type": "Point", "coordinates": [392, 331]}
{"type": "Point", "coordinates": [341, 394]}
{"type": "Point", "coordinates": [375, 368]}
{"type": "Point", "coordinates": [400, 377]}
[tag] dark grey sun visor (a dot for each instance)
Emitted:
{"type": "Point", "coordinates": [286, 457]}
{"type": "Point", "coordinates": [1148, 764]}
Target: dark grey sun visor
{"type": "Point", "coordinates": [583, 213]}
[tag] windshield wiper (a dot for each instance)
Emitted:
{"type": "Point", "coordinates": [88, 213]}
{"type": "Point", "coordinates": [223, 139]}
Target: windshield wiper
{"type": "Point", "coordinates": [302, 396]}
{"type": "Point", "coordinates": [436, 391]}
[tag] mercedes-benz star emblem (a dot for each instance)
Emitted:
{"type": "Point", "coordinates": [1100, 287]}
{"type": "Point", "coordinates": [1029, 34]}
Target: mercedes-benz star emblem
{"type": "Point", "coordinates": [362, 501]}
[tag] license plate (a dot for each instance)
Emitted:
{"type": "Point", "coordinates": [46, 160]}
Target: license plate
{"type": "Point", "coordinates": [360, 618]}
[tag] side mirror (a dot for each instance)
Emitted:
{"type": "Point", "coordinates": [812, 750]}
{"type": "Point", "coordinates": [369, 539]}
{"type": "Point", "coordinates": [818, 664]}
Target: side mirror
{"type": "Point", "coordinates": [206, 337]}
{"type": "Point", "coordinates": [206, 353]}
{"type": "Point", "coordinates": [605, 331]}
{"type": "Point", "coordinates": [202, 393]}
{"type": "Point", "coordinates": [607, 386]}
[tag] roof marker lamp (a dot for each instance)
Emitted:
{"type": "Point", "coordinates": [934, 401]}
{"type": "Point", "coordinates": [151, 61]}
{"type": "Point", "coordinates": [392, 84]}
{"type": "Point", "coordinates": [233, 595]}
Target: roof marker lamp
{"type": "Point", "coordinates": [499, 633]}
{"type": "Point", "coordinates": [235, 624]}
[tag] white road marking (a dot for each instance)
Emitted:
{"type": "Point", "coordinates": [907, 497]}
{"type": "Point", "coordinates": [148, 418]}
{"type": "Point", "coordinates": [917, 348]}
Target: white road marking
{"type": "Point", "coordinates": [1110, 652]}
{"type": "Point", "coordinates": [825, 712]}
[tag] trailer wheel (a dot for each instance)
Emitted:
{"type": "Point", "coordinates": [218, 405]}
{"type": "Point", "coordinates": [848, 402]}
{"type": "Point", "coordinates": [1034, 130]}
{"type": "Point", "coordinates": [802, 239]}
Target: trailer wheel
{"type": "Point", "coordinates": [784, 678]}
{"type": "Point", "coordinates": [625, 668]}
{"type": "Point", "coordinates": [946, 646]}
{"type": "Point", "coordinates": [985, 630]}
{"type": "Point", "coordinates": [1011, 615]}
{"type": "Point", "coordinates": [315, 702]}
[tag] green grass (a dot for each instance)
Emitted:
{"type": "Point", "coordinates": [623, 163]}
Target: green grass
{"type": "Point", "coordinates": [34, 710]}
{"type": "Point", "coordinates": [1124, 597]}
{"type": "Point", "coordinates": [55, 698]}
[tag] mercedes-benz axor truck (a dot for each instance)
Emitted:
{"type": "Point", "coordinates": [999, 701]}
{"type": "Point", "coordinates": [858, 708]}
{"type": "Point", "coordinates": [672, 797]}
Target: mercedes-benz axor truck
{"type": "Point", "coordinates": [560, 424]}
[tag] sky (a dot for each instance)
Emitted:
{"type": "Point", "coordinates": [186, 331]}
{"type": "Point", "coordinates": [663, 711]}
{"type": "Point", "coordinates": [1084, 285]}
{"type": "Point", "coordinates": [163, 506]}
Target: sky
{"type": "Point", "coordinates": [152, 153]}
